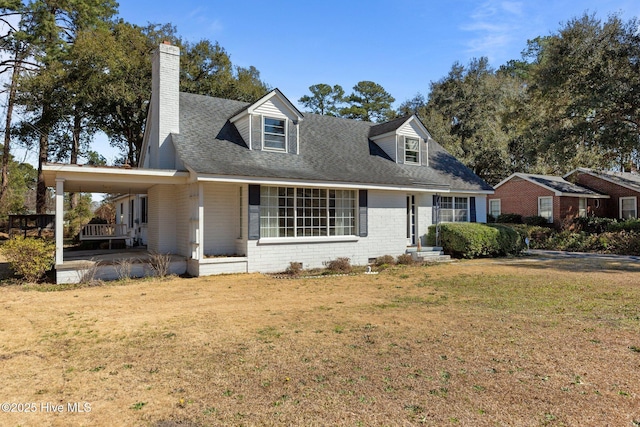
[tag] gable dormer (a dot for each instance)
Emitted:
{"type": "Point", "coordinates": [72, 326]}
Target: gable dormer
{"type": "Point", "coordinates": [405, 140]}
{"type": "Point", "coordinates": [270, 124]}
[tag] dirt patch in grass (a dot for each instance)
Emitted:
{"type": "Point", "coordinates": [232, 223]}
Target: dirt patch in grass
{"type": "Point", "coordinates": [471, 343]}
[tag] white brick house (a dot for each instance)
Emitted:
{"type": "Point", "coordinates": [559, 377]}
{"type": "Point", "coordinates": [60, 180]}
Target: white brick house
{"type": "Point", "coordinates": [238, 187]}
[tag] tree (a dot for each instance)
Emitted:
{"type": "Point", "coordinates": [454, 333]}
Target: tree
{"type": "Point", "coordinates": [369, 102]}
{"type": "Point", "coordinates": [465, 113]}
{"type": "Point", "coordinates": [51, 28]}
{"type": "Point", "coordinates": [324, 99]}
{"type": "Point", "coordinates": [586, 80]}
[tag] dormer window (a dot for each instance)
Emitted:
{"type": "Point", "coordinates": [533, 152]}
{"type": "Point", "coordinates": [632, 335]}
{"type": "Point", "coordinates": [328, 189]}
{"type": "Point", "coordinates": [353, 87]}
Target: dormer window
{"type": "Point", "coordinates": [274, 135]}
{"type": "Point", "coordinates": [411, 150]}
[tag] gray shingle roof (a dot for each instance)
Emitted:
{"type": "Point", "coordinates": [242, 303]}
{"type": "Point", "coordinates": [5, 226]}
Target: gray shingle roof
{"type": "Point", "coordinates": [628, 179]}
{"type": "Point", "coordinates": [559, 184]}
{"type": "Point", "coordinates": [331, 149]}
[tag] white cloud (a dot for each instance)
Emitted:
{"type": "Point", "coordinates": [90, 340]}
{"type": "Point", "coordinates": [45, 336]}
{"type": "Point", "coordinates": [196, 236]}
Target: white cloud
{"type": "Point", "coordinates": [494, 25]}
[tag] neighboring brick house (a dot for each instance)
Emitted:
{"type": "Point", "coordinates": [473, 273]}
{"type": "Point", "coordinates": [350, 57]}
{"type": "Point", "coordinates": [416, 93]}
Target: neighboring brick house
{"type": "Point", "coordinates": [548, 196]}
{"type": "Point", "coordinates": [622, 187]}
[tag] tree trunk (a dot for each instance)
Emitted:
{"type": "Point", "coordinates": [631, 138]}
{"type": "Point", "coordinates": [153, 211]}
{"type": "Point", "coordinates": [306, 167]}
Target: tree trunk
{"type": "Point", "coordinates": [6, 149]}
{"type": "Point", "coordinates": [75, 149]}
{"type": "Point", "coordinates": [43, 157]}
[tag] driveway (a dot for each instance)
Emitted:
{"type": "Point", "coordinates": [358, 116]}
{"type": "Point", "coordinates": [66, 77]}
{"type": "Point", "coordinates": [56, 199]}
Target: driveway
{"type": "Point", "coordinates": [539, 253]}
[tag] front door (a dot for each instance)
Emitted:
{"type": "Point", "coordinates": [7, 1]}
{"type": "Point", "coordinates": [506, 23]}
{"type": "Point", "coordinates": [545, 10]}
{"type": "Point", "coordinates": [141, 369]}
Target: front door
{"type": "Point", "coordinates": [411, 219]}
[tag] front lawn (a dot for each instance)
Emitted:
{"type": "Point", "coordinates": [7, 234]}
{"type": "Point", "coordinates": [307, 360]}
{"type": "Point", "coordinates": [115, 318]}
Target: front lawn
{"type": "Point", "coordinates": [485, 342]}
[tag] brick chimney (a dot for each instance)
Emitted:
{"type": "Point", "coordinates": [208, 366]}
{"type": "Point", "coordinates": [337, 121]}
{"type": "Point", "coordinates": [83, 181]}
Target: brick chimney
{"type": "Point", "coordinates": [165, 107]}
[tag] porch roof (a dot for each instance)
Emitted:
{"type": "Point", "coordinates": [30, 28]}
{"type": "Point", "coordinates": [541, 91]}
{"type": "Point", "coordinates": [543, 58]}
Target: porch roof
{"type": "Point", "coordinates": [105, 179]}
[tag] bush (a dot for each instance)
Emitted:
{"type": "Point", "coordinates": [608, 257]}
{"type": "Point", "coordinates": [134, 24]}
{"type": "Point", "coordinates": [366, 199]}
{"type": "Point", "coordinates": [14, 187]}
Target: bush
{"type": "Point", "coordinates": [339, 265]}
{"type": "Point", "coordinates": [539, 221]}
{"type": "Point", "coordinates": [593, 224]}
{"type": "Point", "coordinates": [473, 240]}
{"type": "Point", "coordinates": [29, 257]}
{"type": "Point", "coordinates": [509, 218]}
{"type": "Point", "coordinates": [627, 225]}
{"type": "Point", "coordinates": [384, 260]}
{"type": "Point", "coordinates": [294, 269]}
{"type": "Point", "coordinates": [405, 259]}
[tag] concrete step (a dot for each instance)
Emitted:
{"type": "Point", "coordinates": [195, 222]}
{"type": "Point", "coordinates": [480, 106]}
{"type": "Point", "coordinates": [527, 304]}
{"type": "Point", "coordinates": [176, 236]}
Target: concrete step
{"type": "Point", "coordinates": [424, 249]}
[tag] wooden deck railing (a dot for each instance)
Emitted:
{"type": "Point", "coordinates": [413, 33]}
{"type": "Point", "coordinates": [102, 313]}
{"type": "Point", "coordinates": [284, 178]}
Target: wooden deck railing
{"type": "Point", "coordinates": [104, 232]}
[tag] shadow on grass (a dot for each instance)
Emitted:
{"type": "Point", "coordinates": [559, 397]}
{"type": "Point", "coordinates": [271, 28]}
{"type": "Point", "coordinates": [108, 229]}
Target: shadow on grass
{"type": "Point", "coordinates": [588, 263]}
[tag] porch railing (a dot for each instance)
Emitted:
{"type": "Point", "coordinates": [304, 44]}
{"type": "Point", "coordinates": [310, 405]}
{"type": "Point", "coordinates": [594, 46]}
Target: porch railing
{"type": "Point", "coordinates": [104, 231]}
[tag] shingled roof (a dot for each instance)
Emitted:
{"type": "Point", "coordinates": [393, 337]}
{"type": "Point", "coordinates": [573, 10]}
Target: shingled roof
{"type": "Point", "coordinates": [555, 183]}
{"type": "Point", "coordinates": [331, 150]}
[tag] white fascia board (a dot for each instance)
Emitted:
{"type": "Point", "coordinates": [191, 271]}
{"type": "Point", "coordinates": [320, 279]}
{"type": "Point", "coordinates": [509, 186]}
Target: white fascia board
{"type": "Point", "coordinates": [584, 196]}
{"type": "Point", "coordinates": [329, 184]}
{"type": "Point", "coordinates": [422, 127]}
{"type": "Point", "coordinates": [265, 98]}
{"type": "Point", "coordinates": [506, 179]}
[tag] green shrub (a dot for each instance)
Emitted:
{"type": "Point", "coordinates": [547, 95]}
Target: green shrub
{"type": "Point", "coordinates": [29, 257]}
{"type": "Point", "coordinates": [593, 224]}
{"type": "Point", "coordinates": [509, 218]}
{"type": "Point", "coordinates": [632, 224]}
{"type": "Point", "coordinates": [536, 220]}
{"type": "Point", "coordinates": [473, 240]}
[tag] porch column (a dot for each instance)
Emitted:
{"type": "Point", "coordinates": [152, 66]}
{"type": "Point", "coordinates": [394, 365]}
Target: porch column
{"type": "Point", "coordinates": [59, 220]}
{"type": "Point", "coordinates": [201, 220]}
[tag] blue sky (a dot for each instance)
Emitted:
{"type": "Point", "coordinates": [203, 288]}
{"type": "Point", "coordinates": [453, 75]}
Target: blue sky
{"type": "Point", "coordinates": [402, 45]}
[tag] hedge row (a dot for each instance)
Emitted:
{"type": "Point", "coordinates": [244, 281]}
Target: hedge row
{"type": "Point", "coordinates": [474, 240]}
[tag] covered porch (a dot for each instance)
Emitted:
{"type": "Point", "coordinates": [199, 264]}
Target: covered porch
{"type": "Point", "coordinates": [72, 266]}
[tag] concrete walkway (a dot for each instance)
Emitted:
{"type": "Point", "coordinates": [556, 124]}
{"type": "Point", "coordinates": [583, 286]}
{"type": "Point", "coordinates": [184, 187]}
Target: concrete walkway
{"type": "Point", "coordinates": [539, 253]}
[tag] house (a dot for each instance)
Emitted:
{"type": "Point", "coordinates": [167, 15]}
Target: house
{"type": "Point", "coordinates": [623, 189]}
{"type": "Point", "coordinates": [231, 186]}
{"type": "Point", "coordinates": [551, 197]}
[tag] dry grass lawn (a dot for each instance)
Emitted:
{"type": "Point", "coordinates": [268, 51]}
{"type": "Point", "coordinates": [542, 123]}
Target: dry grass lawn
{"type": "Point", "coordinates": [511, 342]}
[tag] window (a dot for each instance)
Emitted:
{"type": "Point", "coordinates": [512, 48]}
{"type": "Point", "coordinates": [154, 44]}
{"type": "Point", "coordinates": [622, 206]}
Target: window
{"type": "Point", "coordinates": [454, 209]}
{"type": "Point", "coordinates": [306, 212]}
{"type": "Point", "coordinates": [545, 208]}
{"type": "Point", "coordinates": [411, 150]}
{"type": "Point", "coordinates": [494, 208]}
{"type": "Point", "coordinates": [628, 207]}
{"type": "Point", "coordinates": [274, 135]}
{"type": "Point", "coordinates": [144, 215]}
{"type": "Point", "coordinates": [582, 207]}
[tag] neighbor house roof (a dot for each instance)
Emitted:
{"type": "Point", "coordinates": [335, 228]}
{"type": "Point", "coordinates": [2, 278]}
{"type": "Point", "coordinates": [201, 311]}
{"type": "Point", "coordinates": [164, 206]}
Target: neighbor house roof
{"type": "Point", "coordinates": [557, 184]}
{"type": "Point", "coordinates": [331, 150]}
{"type": "Point", "coordinates": [629, 180]}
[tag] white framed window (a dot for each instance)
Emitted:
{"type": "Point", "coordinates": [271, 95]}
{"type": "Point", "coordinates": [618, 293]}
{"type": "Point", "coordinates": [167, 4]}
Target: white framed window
{"type": "Point", "coordinates": [545, 208]}
{"type": "Point", "coordinates": [454, 209]}
{"type": "Point", "coordinates": [274, 135]}
{"type": "Point", "coordinates": [411, 150]}
{"type": "Point", "coordinates": [306, 212]}
{"type": "Point", "coordinates": [582, 207]}
{"type": "Point", "coordinates": [628, 207]}
{"type": "Point", "coordinates": [495, 207]}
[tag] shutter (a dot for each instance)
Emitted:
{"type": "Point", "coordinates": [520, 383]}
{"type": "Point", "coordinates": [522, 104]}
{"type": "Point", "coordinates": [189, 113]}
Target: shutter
{"type": "Point", "coordinates": [254, 212]}
{"type": "Point", "coordinates": [292, 137]}
{"type": "Point", "coordinates": [362, 213]}
{"type": "Point", "coordinates": [401, 145]}
{"type": "Point", "coordinates": [256, 131]}
{"type": "Point", "coordinates": [472, 209]}
{"type": "Point", "coordinates": [434, 209]}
